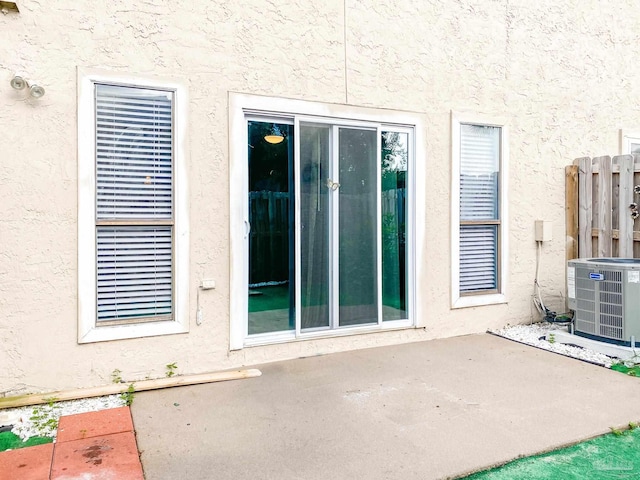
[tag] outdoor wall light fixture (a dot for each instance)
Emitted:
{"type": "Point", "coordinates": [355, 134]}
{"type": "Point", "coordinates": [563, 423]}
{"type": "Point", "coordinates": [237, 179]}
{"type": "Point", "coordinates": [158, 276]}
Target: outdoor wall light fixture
{"type": "Point", "coordinates": [18, 82]}
{"type": "Point", "coordinates": [7, 7]}
{"type": "Point", "coordinates": [274, 135]}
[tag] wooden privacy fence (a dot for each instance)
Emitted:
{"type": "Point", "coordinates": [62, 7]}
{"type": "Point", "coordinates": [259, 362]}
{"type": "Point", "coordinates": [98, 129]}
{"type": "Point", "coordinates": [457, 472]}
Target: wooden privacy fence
{"type": "Point", "coordinates": [602, 207]}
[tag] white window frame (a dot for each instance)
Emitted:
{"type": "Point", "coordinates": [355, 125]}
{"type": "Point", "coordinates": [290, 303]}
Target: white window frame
{"type": "Point", "coordinates": [458, 300]}
{"type": "Point", "coordinates": [627, 138]}
{"type": "Point", "coordinates": [243, 106]}
{"type": "Point", "coordinates": [88, 330]}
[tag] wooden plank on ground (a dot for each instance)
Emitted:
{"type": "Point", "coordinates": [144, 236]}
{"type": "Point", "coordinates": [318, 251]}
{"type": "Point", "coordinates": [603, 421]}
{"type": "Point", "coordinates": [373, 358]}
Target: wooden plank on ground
{"type": "Point", "coordinates": [140, 386]}
{"type": "Point", "coordinates": [625, 198]}
{"type": "Point", "coordinates": [584, 207]}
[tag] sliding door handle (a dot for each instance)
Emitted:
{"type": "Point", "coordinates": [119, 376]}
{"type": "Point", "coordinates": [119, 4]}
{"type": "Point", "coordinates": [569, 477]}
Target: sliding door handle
{"type": "Point", "coordinates": [332, 185]}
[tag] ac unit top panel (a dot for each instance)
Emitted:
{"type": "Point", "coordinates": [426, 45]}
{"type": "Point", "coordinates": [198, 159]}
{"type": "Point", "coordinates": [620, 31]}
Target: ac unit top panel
{"type": "Point", "coordinates": [620, 263]}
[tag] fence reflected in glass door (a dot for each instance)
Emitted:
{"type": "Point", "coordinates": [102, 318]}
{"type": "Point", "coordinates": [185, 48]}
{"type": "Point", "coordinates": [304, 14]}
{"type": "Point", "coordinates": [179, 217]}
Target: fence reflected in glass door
{"type": "Point", "coordinates": [271, 236]}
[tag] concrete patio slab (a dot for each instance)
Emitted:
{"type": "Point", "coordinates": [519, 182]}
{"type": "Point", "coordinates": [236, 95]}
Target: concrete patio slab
{"type": "Point", "coordinates": [427, 410]}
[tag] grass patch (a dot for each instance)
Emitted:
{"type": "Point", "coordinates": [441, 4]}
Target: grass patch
{"type": "Point", "coordinates": [11, 441]}
{"type": "Point", "coordinates": [274, 297]}
{"type": "Point", "coordinates": [612, 456]}
{"type": "Point", "coordinates": [633, 371]}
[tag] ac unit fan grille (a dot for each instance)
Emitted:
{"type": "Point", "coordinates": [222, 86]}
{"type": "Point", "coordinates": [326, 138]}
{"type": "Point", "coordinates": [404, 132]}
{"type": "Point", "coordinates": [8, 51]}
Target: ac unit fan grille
{"type": "Point", "coordinates": [585, 320]}
{"type": "Point", "coordinates": [599, 303]}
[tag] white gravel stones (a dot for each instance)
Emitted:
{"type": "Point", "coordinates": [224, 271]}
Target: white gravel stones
{"type": "Point", "coordinates": [534, 335]}
{"type": "Point", "coordinates": [42, 420]}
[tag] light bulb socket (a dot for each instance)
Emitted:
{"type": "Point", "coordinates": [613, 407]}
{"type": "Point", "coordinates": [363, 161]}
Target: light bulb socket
{"type": "Point", "coordinates": [36, 91]}
{"type": "Point", "coordinates": [18, 82]}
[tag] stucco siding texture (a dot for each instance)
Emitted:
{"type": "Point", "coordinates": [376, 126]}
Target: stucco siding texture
{"type": "Point", "coordinates": [561, 74]}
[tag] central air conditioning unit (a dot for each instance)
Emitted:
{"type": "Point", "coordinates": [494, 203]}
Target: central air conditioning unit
{"type": "Point", "coordinates": [605, 295]}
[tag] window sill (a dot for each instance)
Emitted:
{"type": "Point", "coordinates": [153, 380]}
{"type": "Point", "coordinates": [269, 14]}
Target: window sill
{"type": "Point", "coordinates": [123, 332]}
{"type": "Point", "coordinates": [479, 300]}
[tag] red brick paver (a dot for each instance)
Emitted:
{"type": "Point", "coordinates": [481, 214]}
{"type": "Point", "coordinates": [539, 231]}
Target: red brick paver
{"type": "Point", "coordinates": [107, 456]}
{"type": "Point", "coordinates": [94, 424]}
{"type": "Point", "coordinates": [31, 463]}
{"type": "Point", "coordinates": [89, 445]}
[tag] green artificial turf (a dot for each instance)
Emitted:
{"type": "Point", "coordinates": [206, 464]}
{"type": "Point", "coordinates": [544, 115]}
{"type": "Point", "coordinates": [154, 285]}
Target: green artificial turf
{"type": "Point", "coordinates": [273, 297]}
{"type": "Point", "coordinates": [11, 441]}
{"type": "Point", "coordinates": [276, 297]}
{"type": "Point", "coordinates": [612, 456]}
{"type": "Point", "coordinates": [633, 371]}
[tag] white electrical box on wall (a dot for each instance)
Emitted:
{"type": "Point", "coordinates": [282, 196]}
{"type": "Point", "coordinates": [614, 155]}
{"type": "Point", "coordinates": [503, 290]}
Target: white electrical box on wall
{"type": "Point", "coordinates": [543, 231]}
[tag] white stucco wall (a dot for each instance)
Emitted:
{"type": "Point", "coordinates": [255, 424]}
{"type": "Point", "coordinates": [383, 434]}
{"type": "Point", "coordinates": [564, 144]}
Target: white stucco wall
{"type": "Point", "coordinates": [562, 74]}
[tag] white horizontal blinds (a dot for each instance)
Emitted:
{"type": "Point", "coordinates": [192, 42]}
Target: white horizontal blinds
{"type": "Point", "coordinates": [133, 153]}
{"type": "Point", "coordinates": [134, 204]}
{"type": "Point", "coordinates": [479, 167]}
{"type": "Point", "coordinates": [479, 207]}
{"type": "Point", "coordinates": [134, 272]}
{"type": "Point", "coordinates": [478, 257]}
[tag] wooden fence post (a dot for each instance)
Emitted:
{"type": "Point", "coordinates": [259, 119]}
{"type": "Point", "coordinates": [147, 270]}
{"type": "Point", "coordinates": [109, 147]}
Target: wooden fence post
{"type": "Point", "coordinates": [571, 211]}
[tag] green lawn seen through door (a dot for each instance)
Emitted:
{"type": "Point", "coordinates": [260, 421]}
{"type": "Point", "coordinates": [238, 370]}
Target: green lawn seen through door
{"type": "Point", "coordinates": [275, 297]}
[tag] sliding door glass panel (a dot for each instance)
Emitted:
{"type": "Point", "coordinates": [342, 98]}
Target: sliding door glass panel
{"type": "Point", "coordinates": [271, 194]}
{"type": "Point", "coordinates": [357, 227]}
{"type": "Point", "coordinates": [394, 160]}
{"type": "Point", "coordinates": [315, 157]}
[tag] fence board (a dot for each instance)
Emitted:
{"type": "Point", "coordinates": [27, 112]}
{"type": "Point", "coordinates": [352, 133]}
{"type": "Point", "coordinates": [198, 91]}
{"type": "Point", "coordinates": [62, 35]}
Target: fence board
{"type": "Point", "coordinates": [625, 198]}
{"type": "Point", "coordinates": [571, 212]}
{"type": "Point", "coordinates": [604, 206]}
{"type": "Point", "coordinates": [585, 211]}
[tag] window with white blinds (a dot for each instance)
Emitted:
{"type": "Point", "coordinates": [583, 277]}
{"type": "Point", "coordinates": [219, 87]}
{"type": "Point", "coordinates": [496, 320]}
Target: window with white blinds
{"type": "Point", "coordinates": [134, 273]}
{"type": "Point", "coordinates": [134, 204]}
{"type": "Point", "coordinates": [480, 221]}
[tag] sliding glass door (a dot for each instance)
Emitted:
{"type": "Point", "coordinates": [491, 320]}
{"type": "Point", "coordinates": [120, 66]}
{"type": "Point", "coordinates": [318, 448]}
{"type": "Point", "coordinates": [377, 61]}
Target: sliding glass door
{"type": "Point", "coordinates": [327, 215]}
{"type": "Point", "coordinates": [357, 245]}
{"type": "Point", "coordinates": [338, 217]}
{"type": "Point", "coordinates": [314, 225]}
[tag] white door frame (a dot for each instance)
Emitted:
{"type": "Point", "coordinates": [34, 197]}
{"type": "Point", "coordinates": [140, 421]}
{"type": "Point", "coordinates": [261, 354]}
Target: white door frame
{"type": "Point", "coordinates": [241, 108]}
